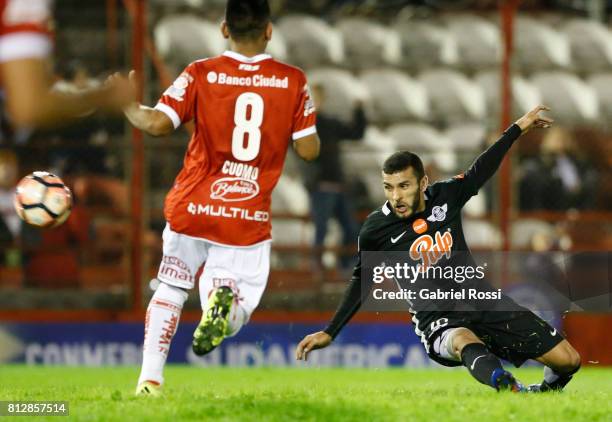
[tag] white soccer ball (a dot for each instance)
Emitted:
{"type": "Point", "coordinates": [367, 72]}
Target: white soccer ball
{"type": "Point", "coordinates": [43, 200]}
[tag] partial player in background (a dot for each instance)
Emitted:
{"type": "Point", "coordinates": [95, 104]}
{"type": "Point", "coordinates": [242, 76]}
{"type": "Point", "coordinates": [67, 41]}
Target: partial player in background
{"type": "Point", "coordinates": [246, 107]}
{"type": "Point", "coordinates": [454, 332]}
{"type": "Point", "coordinates": [25, 48]}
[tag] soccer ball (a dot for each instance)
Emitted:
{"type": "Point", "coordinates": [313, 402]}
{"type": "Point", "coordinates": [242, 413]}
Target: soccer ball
{"type": "Point", "coordinates": [42, 200]}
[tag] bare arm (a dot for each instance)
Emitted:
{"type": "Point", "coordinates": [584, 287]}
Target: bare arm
{"type": "Point", "coordinates": [149, 120]}
{"type": "Point", "coordinates": [308, 147]}
{"type": "Point", "coordinates": [31, 102]}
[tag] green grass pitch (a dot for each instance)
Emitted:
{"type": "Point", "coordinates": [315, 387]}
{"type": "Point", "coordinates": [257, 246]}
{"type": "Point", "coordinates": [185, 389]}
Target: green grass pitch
{"type": "Point", "coordinates": [106, 394]}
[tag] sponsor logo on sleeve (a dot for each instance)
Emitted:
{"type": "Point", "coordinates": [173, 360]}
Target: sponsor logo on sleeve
{"type": "Point", "coordinates": [309, 106]}
{"type": "Point", "coordinates": [179, 87]}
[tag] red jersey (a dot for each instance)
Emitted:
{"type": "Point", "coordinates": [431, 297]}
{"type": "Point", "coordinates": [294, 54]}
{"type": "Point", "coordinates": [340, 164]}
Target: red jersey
{"type": "Point", "coordinates": [246, 112]}
{"type": "Point", "coordinates": [25, 29]}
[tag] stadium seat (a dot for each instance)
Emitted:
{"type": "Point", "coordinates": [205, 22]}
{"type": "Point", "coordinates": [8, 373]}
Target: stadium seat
{"type": "Point", "coordinates": [342, 91]}
{"type": "Point", "coordinates": [394, 97]}
{"type": "Point", "coordinates": [468, 137]}
{"type": "Point", "coordinates": [591, 45]}
{"type": "Point", "coordinates": [367, 156]}
{"type": "Point", "coordinates": [539, 46]}
{"type": "Point", "coordinates": [418, 137]}
{"type": "Point", "coordinates": [290, 197]}
{"type": "Point", "coordinates": [601, 84]}
{"type": "Point", "coordinates": [522, 232]}
{"type": "Point", "coordinates": [427, 142]}
{"type": "Point", "coordinates": [376, 139]}
{"type": "Point", "coordinates": [185, 38]}
{"type": "Point", "coordinates": [478, 42]}
{"type": "Point", "coordinates": [573, 101]}
{"type": "Point", "coordinates": [368, 44]}
{"type": "Point", "coordinates": [364, 160]}
{"type": "Point", "coordinates": [287, 232]}
{"type": "Point", "coordinates": [480, 234]}
{"type": "Point", "coordinates": [426, 45]}
{"type": "Point", "coordinates": [476, 207]}
{"type": "Point", "coordinates": [453, 97]}
{"type": "Point", "coordinates": [310, 41]}
{"type": "Point", "coordinates": [525, 95]}
{"type": "Point", "coordinates": [277, 47]}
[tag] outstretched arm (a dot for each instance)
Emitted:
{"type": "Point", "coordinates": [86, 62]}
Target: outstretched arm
{"type": "Point", "coordinates": [348, 307]}
{"type": "Point", "coordinates": [32, 103]}
{"type": "Point", "coordinates": [147, 119]}
{"type": "Point", "coordinates": [485, 166]}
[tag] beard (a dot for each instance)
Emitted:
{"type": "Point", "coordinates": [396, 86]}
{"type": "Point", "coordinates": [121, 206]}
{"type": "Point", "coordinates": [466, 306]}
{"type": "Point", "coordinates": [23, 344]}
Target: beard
{"type": "Point", "coordinates": [416, 204]}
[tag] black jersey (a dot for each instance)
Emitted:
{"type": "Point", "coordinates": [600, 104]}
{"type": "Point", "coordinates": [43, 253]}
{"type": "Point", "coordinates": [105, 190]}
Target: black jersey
{"type": "Point", "coordinates": [431, 236]}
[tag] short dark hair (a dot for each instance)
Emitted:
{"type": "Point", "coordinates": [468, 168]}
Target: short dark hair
{"type": "Point", "coordinates": [247, 19]}
{"type": "Point", "coordinates": [401, 161]}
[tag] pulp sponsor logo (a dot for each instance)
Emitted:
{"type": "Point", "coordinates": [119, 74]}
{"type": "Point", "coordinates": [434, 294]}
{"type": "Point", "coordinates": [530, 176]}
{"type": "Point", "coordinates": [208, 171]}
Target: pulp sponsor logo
{"type": "Point", "coordinates": [419, 226]}
{"type": "Point", "coordinates": [173, 267]}
{"type": "Point", "coordinates": [259, 81]}
{"type": "Point", "coordinates": [227, 212]}
{"type": "Point", "coordinates": [430, 251]}
{"type": "Point", "coordinates": [232, 189]}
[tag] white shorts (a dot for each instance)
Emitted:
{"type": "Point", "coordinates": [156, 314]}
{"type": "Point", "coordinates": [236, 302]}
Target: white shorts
{"type": "Point", "coordinates": [244, 269]}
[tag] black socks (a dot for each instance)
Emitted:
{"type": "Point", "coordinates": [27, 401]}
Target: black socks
{"type": "Point", "coordinates": [555, 381]}
{"type": "Point", "coordinates": [480, 362]}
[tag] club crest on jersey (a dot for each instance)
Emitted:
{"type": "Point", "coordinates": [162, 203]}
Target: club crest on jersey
{"type": "Point", "coordinates": [438, 213]}
{"type": "Point", "coordinates": [232, 189]}
{"type": "Point", "coordinates": [429, 250]}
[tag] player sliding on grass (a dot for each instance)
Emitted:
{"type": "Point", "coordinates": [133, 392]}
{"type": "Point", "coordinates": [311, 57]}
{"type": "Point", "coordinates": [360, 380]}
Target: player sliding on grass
{"type": "Point", "coordinates": [246, 107]}
{"type": "Point", "coordinates": [477, 339]}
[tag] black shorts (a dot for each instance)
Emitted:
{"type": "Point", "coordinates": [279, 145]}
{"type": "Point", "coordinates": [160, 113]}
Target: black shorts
{"type": "Point", "coordinates": [513, 336]}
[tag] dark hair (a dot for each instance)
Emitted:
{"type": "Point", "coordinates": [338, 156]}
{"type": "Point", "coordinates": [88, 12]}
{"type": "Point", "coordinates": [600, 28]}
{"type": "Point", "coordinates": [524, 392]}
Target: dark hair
{"type": "Point", "coordinates": [247, 19]}
{"type": "Point", "coordinates": [401, 161]}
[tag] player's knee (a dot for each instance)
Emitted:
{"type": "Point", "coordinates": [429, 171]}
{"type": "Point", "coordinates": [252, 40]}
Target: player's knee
{"type": "Point", "coordinates": [570, 360]}
{"type": "Point", "coordinates": [462, 337]}
{"type": "Point", "coordinates": [573, 359]}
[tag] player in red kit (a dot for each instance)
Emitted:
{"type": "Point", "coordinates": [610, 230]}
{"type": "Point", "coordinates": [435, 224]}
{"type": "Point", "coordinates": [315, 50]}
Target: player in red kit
{"type": "Point", "coordinates": [26, 44]}
{"type": "Point", "coordinates": [246, 107]}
